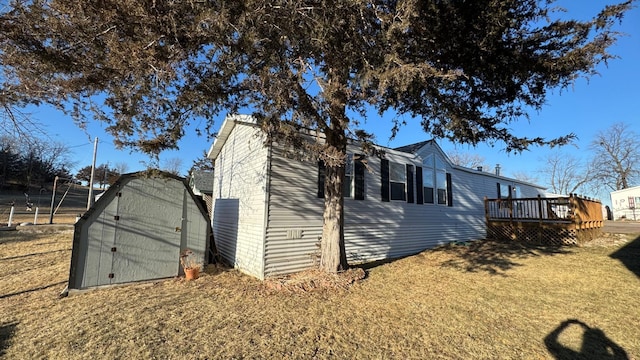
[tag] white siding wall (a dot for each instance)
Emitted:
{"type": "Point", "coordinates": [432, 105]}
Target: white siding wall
{"type": "Point", "coordinates": [239, 195]}
{"type": "Point", "coordinates": [622, 206]}
{"type": "Point", "coordinates": [373, 229]}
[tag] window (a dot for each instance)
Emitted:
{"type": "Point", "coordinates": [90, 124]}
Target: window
{"type": "Point", "coordinates": [347, 186]}
{"type": "Point", "coordinates": [353, 183]}
{"type": "Point", "coordinates": [427, 184]}
{"type": "Point", "coordinates": [436, 182]}
{"type": "Point", "coordinates": [504, 190]}
{"type": "Point", "coordinates": [441, 182]}
{"type": "Point", "coordinates": [397, 181]}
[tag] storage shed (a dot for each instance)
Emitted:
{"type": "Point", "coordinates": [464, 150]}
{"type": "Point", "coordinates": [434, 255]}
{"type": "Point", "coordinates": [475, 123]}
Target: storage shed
{"type": "Point", "coordinates": [136, 231]}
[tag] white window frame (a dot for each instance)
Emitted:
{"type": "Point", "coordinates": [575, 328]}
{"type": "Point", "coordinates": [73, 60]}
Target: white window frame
{"type": "Point", "coordinates": [435, 169]}
{"type": "Point", "coordinates": [397, 180]}
{"type": "Point", "coordinates": [349, 176]}
{"type": "Point", "coordinates": [428, 178]}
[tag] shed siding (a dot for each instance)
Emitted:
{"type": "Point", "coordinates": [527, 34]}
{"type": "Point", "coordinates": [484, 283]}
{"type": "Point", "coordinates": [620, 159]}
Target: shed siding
{"type": "Point", "coordinates": [239, 193]}
{"type": "Point", "coordinates": [136, 231]}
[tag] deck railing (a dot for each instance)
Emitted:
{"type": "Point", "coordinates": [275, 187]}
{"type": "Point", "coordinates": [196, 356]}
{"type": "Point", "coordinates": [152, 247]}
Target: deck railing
{"type": "Point", "coordinates": [546, 216]}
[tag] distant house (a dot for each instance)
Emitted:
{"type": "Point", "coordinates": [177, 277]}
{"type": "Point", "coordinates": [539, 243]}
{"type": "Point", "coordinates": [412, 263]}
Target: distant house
{"type": "Point", "coordinates": [626, 204]}
{"type": "Point", "coordinates": [201, 183]}
{"type": "Point", "coordinates": [267, 208]}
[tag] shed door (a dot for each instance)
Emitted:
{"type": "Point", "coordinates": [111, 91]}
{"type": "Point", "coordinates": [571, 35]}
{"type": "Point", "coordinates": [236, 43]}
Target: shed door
{"type": "Point", "coordinates": [148, 231]}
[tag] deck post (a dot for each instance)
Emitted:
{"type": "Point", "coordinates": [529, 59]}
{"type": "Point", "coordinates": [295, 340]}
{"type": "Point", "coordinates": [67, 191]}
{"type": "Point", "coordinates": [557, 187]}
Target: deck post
{"type": "Point", "coordinates": [573, 205]}
{"type": "Point", "coordinates": [540, 218]}
{"type": "Point", "coordinates": [486, 209]}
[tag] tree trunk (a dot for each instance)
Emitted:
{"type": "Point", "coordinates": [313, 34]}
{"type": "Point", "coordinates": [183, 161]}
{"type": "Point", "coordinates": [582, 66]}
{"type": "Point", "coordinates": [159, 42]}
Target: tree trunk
{"type": "Point", "coordinates": [333, 256]}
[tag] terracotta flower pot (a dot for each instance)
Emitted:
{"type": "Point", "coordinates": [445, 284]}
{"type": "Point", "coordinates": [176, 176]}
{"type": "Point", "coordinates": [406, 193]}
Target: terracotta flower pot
{"type": "Point", "coordinates": [191, 273]}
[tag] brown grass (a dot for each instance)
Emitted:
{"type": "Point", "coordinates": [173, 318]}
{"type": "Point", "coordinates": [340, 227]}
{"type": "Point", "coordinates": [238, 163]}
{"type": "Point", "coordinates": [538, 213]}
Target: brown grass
{"type": "Point", "coordinates": [483, 301]}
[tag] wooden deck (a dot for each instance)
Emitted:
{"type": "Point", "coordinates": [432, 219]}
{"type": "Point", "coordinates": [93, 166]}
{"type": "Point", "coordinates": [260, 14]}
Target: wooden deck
{"type": "Point", "coordinates": [568, 220]}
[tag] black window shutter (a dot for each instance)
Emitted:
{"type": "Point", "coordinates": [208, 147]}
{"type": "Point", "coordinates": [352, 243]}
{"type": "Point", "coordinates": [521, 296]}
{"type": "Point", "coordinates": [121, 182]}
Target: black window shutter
{"type": "Point", "coordinates": [321, 175]}
{"type": "Point", "coordinates": [358, 183]}
{"type": "Point", "coordinates": [509, 192]}
{"type": "Point", "coordinates": [419, 186]}
{"type": "Point", "coordinates": [384, 179]}
{"type": "Point", "coordinates": [499, 195]}
{"type": "Point", "coordinates": [449, 192]}
{"type": "Point", "coordinates": [409, 183]}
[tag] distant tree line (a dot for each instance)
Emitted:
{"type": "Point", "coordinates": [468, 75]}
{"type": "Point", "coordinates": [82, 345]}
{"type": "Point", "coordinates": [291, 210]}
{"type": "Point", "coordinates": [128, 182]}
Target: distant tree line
{"type": "Point", "coordinates": [25, 163]}
{"type": "Point", "coordinates": [102, 175]}
{"type": "Point", "coordinates": [610, 163]}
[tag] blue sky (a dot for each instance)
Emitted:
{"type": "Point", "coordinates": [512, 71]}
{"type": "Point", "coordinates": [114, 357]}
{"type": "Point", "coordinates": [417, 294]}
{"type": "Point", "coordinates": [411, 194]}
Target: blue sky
{"type": "Point", "coordinates": [585, 109]}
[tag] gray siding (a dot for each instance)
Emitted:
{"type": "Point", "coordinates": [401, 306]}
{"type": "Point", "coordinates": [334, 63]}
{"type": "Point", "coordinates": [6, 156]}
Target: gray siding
{"type": "Point", "coordinates": [294, 218]}
{"type": "Point", "coordinates": [239, 195]}
{"type": "Point", "coordinates": [374, 229]}
{"type": "Point", "coordinates": [267, 218]}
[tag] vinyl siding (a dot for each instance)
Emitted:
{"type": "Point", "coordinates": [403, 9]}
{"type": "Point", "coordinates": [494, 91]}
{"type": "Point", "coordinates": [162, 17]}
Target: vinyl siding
{"type": "Point", "coordinates": [295, 215]}
{"type": "Point", "coordinates": [622, 208]}
{"type": "Point", "coordinates": [249, 177]}
{"type": "Point", "coordinates": [239, 195]}
{"type": "Point", "coordinates": [374, 229]}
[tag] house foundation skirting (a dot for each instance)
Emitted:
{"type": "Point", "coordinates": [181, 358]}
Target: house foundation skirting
{"type": "Point", "coordinates": [545, 234]}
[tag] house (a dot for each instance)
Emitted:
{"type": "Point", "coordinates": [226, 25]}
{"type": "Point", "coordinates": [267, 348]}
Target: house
{"type": "Point", "coordinates": [136, 231]}
{"type": "Point", "coordinates": [201, 183]}
{"type": "Point", "coordinates": [626, 204]}
{"type": "Point", "coordinates": [267, 207]}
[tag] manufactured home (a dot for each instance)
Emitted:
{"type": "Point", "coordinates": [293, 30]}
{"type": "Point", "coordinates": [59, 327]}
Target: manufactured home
{"type": "Point", "coordinates": [626, 204]}
{"type": "Point", "coordinates": [267, 207]}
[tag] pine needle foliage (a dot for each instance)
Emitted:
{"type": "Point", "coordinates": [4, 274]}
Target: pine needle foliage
{"type": "Point", "coordinates": [151, 68]}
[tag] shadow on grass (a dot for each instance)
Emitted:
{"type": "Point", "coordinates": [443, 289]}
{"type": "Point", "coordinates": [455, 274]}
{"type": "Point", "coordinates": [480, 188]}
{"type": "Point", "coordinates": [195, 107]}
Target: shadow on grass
{"type": "Point", "coordinates": [629, 255]}
{"type": "Point", "coordinates": [34, 254]}
{"type": "Point", "coordinates": [31, 290]}
{"type": "Point", "coordinates": [595, 344]}
{"type": "Point", "coordinates": [493, 256]}
{"type": "Point", "coordinates": [6, 333]}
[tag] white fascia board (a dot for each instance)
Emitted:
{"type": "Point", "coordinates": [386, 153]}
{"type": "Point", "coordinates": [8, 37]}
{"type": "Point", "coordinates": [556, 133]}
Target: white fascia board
{"type": "Point", "coordinates": [225, 130]}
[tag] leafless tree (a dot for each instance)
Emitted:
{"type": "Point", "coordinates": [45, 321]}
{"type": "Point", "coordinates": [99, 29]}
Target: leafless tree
{"type": "Point", "coordinates": [172, 165]}
{"type": "Point", "coordinates": [470, 160]}
{"type": "Point", "coordinates": [616, 157]}
{"type": "Point", "coordinates": [525, 176]}
{"type": "Point", "coordinates": [564, 173]}
{"type": "Point", "coordinates": [121, 168]}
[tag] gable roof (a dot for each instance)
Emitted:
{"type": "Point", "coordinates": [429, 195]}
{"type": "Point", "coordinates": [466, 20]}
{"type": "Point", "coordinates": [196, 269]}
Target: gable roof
{"type": "Point", "coordinates": [412, 148]}
{"type": "Point", "coordinates": [416, 147]}
{"type": "Point", "coordinates": [225, 130]}
{"type": "Point", "coordinates": [202, 181]}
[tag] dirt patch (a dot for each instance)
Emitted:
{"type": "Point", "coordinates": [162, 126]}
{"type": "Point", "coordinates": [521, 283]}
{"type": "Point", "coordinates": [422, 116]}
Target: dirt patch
{"type": "Point", "coordinates": [607, 239]}
{"type": "Point", "coordinates": [314, 280]}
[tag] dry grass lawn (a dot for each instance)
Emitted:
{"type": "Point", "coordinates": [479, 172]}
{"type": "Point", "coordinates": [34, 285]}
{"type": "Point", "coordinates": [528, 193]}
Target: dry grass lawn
{"type": "Point", "coordinates": [484, 301]}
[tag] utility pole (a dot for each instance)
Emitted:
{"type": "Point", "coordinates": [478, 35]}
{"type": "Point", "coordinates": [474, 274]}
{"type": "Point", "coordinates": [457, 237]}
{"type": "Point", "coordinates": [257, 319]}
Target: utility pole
{"type": "Point", "coordinates": [93, 169]}
{"type": "Point", "coordinates": [53, 199]}
{"type": "Point", "coordinates": [105, 176]}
